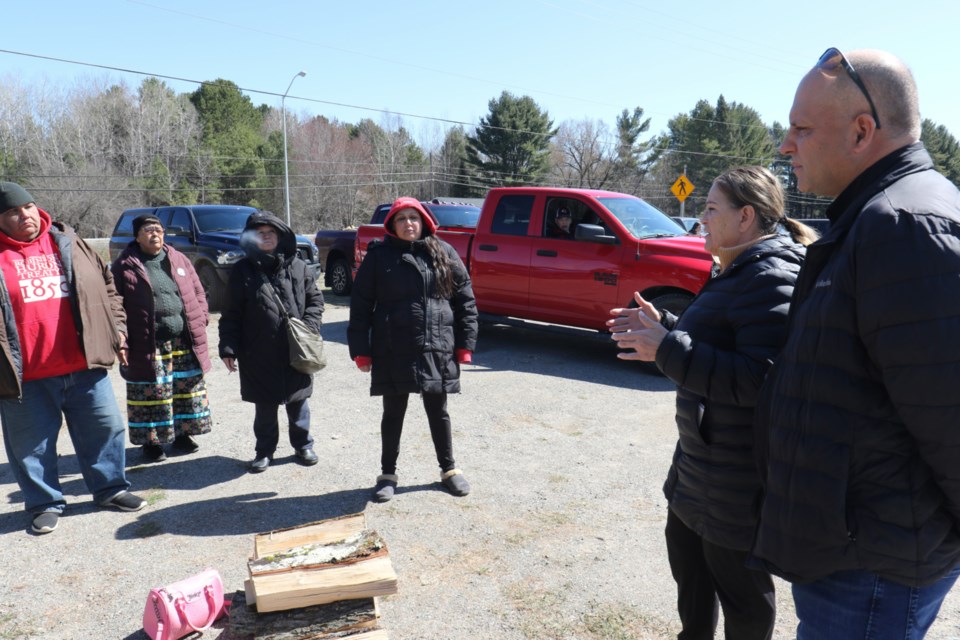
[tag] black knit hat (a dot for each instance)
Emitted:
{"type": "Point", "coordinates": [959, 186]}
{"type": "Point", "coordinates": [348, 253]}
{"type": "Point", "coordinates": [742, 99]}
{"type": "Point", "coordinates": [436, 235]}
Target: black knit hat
{"type": "Point", "coordinates": [13, 195]}
{"type": "Point", "coordinates": [143, 219]}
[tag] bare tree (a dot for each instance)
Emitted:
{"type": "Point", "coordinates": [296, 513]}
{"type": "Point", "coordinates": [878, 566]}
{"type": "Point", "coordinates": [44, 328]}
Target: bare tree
{"type": "Point", "coordinates": [329, 177]}
{"type": "Point", "coordinates": [398, 163]}
{"type": "Point", "coordinates": [165, 145]}
{"type": "Point", "coordinates": [583, 156]}
{"type": "Point", "coordinates": [79, 150]}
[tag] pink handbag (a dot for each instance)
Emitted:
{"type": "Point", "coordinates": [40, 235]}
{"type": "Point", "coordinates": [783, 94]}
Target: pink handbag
{"type": "Point", "coordinates": [184, 607]}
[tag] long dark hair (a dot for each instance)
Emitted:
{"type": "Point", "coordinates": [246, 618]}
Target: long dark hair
{"type": "Point", "coordinates": [442, 266]}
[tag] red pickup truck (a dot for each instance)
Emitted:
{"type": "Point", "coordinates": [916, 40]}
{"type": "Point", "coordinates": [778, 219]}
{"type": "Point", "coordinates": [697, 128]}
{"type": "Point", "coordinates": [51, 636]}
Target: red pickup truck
{"type": "Point", "coordinates": [619, 244]}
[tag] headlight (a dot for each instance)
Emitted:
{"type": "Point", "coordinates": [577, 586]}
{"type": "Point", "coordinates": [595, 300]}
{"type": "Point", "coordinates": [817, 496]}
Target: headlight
{"type": "Point", "coordinates": [230, 257]}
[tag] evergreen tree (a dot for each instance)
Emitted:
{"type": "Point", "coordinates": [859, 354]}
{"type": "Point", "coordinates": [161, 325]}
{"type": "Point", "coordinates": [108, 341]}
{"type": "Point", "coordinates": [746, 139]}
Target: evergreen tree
{"type": "Point", "coordinates": [232, 132]}
{"type": "Point", "coordinates": [451, 165]}
{"type": "Point", "coordinates": [512, 143]}
{"type": "Point", "coordinates": [943, 148]}
{"type": "Point", "coordinates": [711, 139]}
{"type": "Point", "coordinates": [630, 163]}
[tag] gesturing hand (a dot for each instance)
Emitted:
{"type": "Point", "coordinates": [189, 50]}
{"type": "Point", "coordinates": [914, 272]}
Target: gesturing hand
{"type": "Point", "coordinates": [637, 329]}
{"type": "Point", "coordinates": [629, 319]}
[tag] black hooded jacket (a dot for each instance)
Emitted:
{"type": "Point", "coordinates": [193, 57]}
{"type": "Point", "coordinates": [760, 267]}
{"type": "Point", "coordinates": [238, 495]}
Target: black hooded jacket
{"type": "Point", "coordinates": [252, 328]}
{"type": "Point", "coordinates": [718, 354]}
{"type": "Point", "coordinates": [397, 319]}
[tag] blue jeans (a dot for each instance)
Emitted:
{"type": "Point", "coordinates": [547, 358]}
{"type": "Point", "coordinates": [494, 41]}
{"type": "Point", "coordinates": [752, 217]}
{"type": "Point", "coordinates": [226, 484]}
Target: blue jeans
{"type": "Point", "coordinates": [858, 605]}
{"type": "Point", "coordinates": [31, 427]}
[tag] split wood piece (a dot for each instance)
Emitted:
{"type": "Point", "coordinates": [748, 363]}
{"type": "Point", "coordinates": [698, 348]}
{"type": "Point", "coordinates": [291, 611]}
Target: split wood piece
{"type": "Point", "coordinates": [326, 583]}
{"type": "Point", "coordinates": [324, 531]}
{"type": "Point", "coordinates": [353, 619]}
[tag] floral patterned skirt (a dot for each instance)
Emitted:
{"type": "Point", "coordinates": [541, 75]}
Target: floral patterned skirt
{"type": "Point", "coordinates": [173, 405]}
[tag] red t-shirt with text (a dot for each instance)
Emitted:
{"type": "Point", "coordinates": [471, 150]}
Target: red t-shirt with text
{"type": "Point", "coordinates": [40, 297]}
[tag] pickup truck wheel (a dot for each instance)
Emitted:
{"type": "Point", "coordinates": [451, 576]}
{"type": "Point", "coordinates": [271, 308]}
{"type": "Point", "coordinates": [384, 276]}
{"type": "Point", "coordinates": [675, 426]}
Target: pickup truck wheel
{"type": "Point", "coordinates": [341, 278]}
{"type": "Point", "coordinates": [211, 286]}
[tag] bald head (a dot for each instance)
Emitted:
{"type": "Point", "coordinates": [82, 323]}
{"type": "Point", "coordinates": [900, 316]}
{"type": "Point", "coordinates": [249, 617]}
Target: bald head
{"type": "Point", "coordinates": [833, 135]}
{"type": "Point", "coordinates": [893, 89]}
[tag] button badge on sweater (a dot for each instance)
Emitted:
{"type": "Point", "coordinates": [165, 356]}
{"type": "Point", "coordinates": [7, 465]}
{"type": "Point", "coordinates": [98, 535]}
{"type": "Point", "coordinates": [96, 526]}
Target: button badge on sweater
{"type": "Point", "coordinates": [181, 272]}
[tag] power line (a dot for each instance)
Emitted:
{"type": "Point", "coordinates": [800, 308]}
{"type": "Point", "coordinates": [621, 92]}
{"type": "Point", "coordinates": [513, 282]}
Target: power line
{"type": "Point", "coordinates": [609, 143]}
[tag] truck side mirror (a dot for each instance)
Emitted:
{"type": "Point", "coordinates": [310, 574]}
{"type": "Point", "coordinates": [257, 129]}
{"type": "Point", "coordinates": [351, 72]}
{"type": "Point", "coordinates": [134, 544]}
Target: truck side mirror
{"type": "Point", "coordinates": [593, 233]}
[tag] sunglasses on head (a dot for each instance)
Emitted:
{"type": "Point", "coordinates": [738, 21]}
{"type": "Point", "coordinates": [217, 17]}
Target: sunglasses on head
{"type": "Point", "coordinates": [831, 60]}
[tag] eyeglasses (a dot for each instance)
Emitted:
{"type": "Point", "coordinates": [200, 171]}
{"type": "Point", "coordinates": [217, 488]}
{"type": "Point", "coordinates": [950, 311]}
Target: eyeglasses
{"type": "Point", "coordinates": [831, 60]}
{"type": "Point", "coordinates": [151, 230]}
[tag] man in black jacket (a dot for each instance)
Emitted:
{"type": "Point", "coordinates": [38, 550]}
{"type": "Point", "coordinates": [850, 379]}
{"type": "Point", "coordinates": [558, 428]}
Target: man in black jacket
{"type": "Point", "coordinates": [858, 424]}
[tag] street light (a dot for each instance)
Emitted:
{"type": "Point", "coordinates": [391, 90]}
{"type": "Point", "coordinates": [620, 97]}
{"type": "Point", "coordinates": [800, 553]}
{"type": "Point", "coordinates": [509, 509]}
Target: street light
{"type": "Point", "coordinates": [286, 171]}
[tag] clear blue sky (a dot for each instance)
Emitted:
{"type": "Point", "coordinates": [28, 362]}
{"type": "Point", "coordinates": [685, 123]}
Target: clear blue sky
{"type": "Point", "coordinates": [445, 59]}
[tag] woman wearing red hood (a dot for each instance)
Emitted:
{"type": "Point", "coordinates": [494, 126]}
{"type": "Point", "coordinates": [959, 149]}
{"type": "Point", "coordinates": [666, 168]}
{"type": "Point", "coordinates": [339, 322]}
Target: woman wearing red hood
{"type": "Point", "coordinates": [413, 321]}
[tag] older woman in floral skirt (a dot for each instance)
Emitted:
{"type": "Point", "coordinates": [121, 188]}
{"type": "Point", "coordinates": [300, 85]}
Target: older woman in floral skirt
{"type": "Point", "coordinates": [167, 342]}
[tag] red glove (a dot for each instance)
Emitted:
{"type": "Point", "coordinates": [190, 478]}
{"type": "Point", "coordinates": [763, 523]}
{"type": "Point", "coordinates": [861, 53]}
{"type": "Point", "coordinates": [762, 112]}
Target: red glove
{"type": "Point", "coordinates": [464, 356]}
{"type": "Point", "coordinates": [363, 361]}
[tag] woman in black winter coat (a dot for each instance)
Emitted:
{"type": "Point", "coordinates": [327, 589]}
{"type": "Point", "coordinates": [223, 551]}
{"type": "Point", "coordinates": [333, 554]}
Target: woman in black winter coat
{"type": "Point", "coordinates": [413, 321]}
{"type": "Point", "coordinates": [253, 335]}
{"type": "Point", "coordinates": [718, 353]}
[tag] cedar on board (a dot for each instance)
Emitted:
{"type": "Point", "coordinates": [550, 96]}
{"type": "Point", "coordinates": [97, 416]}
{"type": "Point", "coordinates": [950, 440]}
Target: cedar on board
{"type": "Point", "coordinates": [323, 531]}
{"type": "Point", "coordinates": [318, 563]}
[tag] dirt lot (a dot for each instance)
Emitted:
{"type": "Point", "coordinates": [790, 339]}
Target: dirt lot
{"type": "Point", "coordinates": [566, 448]}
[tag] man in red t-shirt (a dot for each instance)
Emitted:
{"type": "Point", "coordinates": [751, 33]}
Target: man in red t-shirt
{"type": "Point", "coordinates": [63, 326]}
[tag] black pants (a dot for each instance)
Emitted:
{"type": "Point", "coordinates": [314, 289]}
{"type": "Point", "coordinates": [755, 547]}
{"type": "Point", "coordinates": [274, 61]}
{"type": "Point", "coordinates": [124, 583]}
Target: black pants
{"type": "Point", "coordinates": [706, 574]}
{"type": "Point", "coordinates": [391, 425]}
{"type": "Point", "coordinates": [266, 427]}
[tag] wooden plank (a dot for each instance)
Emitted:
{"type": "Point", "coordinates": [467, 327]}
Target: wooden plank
{"type": "Point", "coordinates": [329, 583]}
{"type": "Point", "coordinates": [351, 619]}
{"type": "Point", "coordinates": [323, 531]}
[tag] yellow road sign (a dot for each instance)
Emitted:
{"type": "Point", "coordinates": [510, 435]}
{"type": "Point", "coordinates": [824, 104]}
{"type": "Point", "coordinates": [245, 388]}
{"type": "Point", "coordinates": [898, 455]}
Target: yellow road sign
{"type": "Point", "coordinates": [682, 188]}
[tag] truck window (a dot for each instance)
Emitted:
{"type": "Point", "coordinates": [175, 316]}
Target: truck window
{"type": "Point", "coordinates": [380, 214]}
{"type": "Point", "coordinates": [225, 219]}
{"type": "Point", "coordinates": [181, 218]}
{"type": "Point", "coordinates": [125, 226]}
{"type": "Point", "coordinates": [570, 212]}
{"type": "Point", "coordinates": [641, 219]}
{"type": "Point", "coordinates": [451, 215]}
{"type": "Point", "coordinates": [512, 216]}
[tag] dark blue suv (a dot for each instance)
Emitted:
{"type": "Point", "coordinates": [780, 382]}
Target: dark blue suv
{"type": "Point", "coordinates": [209, 234]}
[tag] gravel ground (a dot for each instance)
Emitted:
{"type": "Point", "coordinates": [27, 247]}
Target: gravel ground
{"type": "Point", "coordinates": [562, 537]}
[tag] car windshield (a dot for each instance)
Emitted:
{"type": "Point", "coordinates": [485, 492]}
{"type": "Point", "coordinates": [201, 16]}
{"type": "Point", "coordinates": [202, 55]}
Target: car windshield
{"type": "Point", "coordinates": [222, 219]}
{"type": "Point", "coordinates": [641, 219]}
{"type": "Point", "coordinates": [448, 215]}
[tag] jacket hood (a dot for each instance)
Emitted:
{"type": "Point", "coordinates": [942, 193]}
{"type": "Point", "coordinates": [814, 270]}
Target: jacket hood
{"type": "Point", "coordinates": [45, 224]}
{"type": "Point", "coordinates": [429, 226]}
{"type": "Point", "coordinates": [286, 238]}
